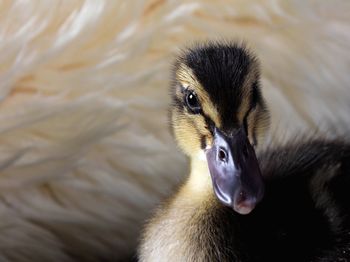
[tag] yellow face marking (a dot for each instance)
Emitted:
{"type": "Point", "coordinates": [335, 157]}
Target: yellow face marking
{"type": "Point", "coordinates": [246, 90]}
{"type": "Point", "coordinates": [187, 79]}
{"type": "Point", "coordinates": [258, 122]}
{"type": "Point", "coordinates": [186, 133]}
{"type": "Point", "coordinates": [190, 129]}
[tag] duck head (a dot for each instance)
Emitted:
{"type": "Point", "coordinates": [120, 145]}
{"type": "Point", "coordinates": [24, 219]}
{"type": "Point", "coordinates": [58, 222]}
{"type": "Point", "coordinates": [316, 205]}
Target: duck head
{"type": "Point", "coordinates": [218, 110]}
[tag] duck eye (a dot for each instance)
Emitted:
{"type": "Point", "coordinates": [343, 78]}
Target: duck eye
{"type": "Point", "coordinates": [192, 102]}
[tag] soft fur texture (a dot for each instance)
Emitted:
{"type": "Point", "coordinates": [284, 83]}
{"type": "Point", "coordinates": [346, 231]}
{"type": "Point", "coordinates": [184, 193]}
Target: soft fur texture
{"type": "Point", "coordinates": [85, 149]}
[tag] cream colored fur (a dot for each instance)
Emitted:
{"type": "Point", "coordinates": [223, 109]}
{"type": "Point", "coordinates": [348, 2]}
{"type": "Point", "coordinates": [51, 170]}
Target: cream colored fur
{"type": "Point", "coordinates": [85, 151]}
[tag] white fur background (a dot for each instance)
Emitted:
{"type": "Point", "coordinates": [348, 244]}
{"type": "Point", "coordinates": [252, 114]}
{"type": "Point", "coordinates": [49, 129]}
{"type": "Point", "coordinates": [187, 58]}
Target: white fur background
{"type": "Point", "coordinates": [85, 150]}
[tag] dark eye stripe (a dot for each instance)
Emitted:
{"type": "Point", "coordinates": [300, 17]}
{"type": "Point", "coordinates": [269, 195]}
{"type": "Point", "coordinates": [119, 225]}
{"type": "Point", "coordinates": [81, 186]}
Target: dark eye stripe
{"type": "Point", "coordinates": [245, 124]}
{"type": "Point", "coordinates": [254, 100]}
{"type": "Point", "coordinates": [245, 119]}
{"type": "Point", "coordinates": [210, 125]}
{"type": "Point", "coordinates": [203, 142]}
{"type": "Point", "coordinates": [256, 95]}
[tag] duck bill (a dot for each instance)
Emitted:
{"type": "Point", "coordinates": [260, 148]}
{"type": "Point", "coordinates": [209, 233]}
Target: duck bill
{"type": "Point", "coordinates": [235, 171]}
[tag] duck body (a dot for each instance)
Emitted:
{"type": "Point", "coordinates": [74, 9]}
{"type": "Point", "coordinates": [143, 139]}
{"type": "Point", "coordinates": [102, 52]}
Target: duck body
{"type": "Point", "coordinates": [304, 215]}
{"type": "Point", "coordinates": [290, 203]}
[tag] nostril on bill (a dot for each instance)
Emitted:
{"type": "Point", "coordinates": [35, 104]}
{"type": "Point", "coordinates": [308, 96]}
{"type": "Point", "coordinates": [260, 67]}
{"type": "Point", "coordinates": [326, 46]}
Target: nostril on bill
{"type": "Point", "coordinates": [242, 196]}
{"type": "Point", "coordinates": [222, 155]}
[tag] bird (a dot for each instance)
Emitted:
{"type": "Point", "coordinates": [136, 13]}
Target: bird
{"type": "Point", "coordinates": [287, 202]}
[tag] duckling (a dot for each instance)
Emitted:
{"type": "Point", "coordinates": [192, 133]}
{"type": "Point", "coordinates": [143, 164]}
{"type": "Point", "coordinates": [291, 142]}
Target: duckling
{"type": "Point", "coordinates": [290, 203]}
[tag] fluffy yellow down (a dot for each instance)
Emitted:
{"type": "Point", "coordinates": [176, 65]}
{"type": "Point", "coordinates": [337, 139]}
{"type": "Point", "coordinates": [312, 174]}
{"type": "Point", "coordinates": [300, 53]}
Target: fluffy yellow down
{"type": "Point", "coordinates": [85, 150]}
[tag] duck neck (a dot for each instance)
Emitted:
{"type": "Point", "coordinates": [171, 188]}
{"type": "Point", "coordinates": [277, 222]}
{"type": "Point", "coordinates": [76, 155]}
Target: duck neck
{"type": "Point", "coordinates": [199, 182]}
